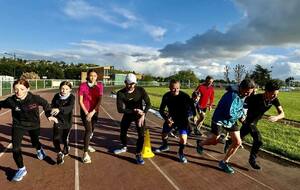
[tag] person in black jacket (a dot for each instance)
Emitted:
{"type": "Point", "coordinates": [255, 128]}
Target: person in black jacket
{"type": "Point", "coordinates": [179, 105]}
{"type": "Point", "coordinates": [62, 107]}
{"type": "Point", "coordinates": [130, 102]}
{"type": "Point", "coordinates": [25, 113]}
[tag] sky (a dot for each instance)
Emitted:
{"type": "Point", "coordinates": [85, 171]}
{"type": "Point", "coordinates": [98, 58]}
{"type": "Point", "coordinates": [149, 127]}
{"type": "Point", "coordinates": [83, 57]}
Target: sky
{"type": "Point", "coordinates": [157, 37]}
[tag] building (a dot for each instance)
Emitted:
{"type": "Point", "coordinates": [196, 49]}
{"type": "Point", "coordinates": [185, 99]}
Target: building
{"type": "Point", "coordinates": [104, 73]}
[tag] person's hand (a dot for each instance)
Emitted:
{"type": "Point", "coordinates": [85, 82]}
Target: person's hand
{"type": "Point", "coordinates": [242, 119]}
{"type": "Point", "coordinates": [139, 112]}
{"type": "Point", "coordinates": [54, 111]}
{"type": "Point", "coordinates": [195, 119]}
{"type": "Point", "coordinates": [90, 115]}
{"type": "Point", "coordinates": [170, 122]}
{"type": "Point", "coordinates": [273, 118]}
{"type": "Point", "coordinates": [141, 121]}
{"type": "Point", "coordinates": [54, 119]}
{"type": "Point", "coordinates": [210, 108]}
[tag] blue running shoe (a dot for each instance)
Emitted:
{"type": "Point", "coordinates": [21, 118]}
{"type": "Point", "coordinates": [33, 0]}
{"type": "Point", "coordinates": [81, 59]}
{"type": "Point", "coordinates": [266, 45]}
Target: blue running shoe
{"type": "Point", "coordinates": [41, 154]}
{"type": "Point", "coordinates": [182, 158]}
{"type": "Point", "coordinates": [226, 167]}
{"type": "Point", "coordinates": [20, 174]}
{"type": "Point", "coordinates": [139, 160]}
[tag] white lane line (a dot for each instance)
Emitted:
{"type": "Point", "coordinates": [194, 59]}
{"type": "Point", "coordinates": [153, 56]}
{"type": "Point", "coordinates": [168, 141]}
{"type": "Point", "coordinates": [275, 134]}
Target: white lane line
{"type": "Point", "coordinates": [76, 153]}
{"type": "Point", "coordinates": [4, 112]}
{"type": "Point", "coordinates": [10, 144]}
{"type": "Point", "coordinates": [257, 181]}
{"type": "Point", "coordinates": [152, 161]}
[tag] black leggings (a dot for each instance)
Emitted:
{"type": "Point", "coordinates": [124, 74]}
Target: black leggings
{"type": "Point", "coordinates": [17, 136]}
{"type": "Point", "coordinates": [257, 139]}
{"type": "Point", "coordinates": [89, 128]}
{"type": "Point", "coordinates": [60, 135]}
{"type": "Point", "coordinates": [125, 124]}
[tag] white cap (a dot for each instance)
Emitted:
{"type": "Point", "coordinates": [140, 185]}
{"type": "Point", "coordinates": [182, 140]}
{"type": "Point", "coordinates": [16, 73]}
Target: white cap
{"type": "Point", "coordinates": [130, 78]}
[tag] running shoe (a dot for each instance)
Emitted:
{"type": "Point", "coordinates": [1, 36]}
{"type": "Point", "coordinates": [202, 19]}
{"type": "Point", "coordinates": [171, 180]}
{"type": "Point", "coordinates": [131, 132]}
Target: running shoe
{"type": "Point", "coordinates": [254, 165]}
{"type": "Point", "coordinates": [66, 150]}
{"type": "Point", "coordinates": [60, 158]}
{"type": "Point", "coordinates": [226, 167]}
{"type": "Point", "coordinates": [91, 149]}
{"type": "Point", "coordinates": [182, 158]}
{"type": "Point", "coordinates": [41, 154]}
{"type": "Point", "coordinates": [20, 174]}
{"type": "Point", "coordinates": [139, 160]}
{"type": "Point", "coordinates": [199, 148]}
{"type": "Point", "coordinates": [121, 150]}
{"type": "Point", "coordinates": [86, 158]}
{"type": "Point", "coordinates": [162, 148]}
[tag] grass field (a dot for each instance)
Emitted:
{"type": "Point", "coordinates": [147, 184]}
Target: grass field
{"type": "Point", "coordinates": [278, 138]}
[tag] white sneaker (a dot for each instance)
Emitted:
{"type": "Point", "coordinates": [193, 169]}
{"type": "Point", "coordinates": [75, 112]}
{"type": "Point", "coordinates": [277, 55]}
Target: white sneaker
{"type": "Point", "coordinates": [20, 174]}
{"type": "Point", "coordinates": [41, 154]}
{"type": "Point", "coordinates": [86, 158]}
{"type": "Point", "coordinates": [91, 149]}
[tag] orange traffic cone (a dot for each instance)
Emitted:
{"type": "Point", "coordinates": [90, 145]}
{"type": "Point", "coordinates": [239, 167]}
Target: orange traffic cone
{"type": "Point", "coordinates": [147, 152]}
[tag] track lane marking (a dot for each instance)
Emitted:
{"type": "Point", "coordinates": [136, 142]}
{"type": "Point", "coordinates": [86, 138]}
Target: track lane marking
{"type": "Point", "coordinates": [151, 161]}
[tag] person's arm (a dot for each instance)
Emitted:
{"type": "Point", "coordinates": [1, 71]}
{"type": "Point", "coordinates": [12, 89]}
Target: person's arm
{"type": "Point", "coordinates": [280, 112]}
{"type": "Point", "coordinates": [147, 101]}
{"type": "Point", "coordinates": [121, 105]}
{"type": "Point", "coordinates": [46, 106]}
{"type": "Point", "coordinates": [162, 108]}
{"type": "Point", "coordinates": [6, 103]}
{"type": "Point", "coordinates": [211, 99]}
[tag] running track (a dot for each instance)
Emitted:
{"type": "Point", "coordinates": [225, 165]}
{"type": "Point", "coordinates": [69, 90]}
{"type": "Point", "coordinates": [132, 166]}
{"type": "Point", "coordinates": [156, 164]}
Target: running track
{"type": "Point", "coordinates": [108, 171]}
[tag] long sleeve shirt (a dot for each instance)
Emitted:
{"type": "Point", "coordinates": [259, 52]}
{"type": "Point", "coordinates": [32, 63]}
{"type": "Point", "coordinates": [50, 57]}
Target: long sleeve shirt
{"type": "Point", "coordinates": [25, 113]}
{"type": "Point", "coordinates": [178, 106]}
{"type": "Point", "coordinates": [127, 102]}
{"type": "Point", "coordinates": [65, 107]}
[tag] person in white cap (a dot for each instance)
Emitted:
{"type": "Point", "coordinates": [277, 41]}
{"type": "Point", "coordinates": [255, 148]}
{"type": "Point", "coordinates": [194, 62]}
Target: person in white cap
{"type": "Point", "coordinates": [130, 101]}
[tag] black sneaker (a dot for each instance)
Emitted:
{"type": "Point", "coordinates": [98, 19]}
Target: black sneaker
{"type": "Point", "coordinates": [254, 165]}
{"type": "Point", "coordinates": [60, 158]}
{"type": "Point", "coordinates": [66, 150]}
{"type": "Point", "coordinates": [162, 148]}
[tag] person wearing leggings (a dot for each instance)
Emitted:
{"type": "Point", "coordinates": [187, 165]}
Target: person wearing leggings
{"type": "Point", "coordinates": [133, 101]}
{"type": "Point", "coordinates": [26, 118]}
{"type": "Point", "coordinates": [90, 96]}
{"type": "Point", "coordinates": [62, 108]}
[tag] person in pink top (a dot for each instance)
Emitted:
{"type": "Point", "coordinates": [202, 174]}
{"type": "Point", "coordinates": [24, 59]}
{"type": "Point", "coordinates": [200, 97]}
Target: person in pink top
{"type": "Point", "coordinates": [206, 93]}
{"type": "Point", "coordinates": [90, 95]}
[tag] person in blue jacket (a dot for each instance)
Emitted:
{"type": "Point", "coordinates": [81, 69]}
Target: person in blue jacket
{"type": "Point", "coordinates": [229, 110]}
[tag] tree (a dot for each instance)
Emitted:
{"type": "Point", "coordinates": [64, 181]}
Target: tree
{"type": "Point", "coordinates": [288, 81]}
{"type": "Point", "coordinates": [239, 72]}
{"type": "Point", "coordinates": [226, 73]}
{"type": "Point", "coordinates": [187, 76]}
{"type": "Point", "coordinates": [260, 75]}
{"type": "Point", "coordinates": [30, 75]}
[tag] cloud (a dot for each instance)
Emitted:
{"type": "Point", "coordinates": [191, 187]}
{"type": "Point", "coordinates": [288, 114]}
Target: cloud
{"type": "Point", "coordinates": [111, 14]}
{"type": "Point", "coordinates": [265, 24]}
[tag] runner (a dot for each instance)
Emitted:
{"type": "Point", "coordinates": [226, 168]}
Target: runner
{"type": "Point", "coordinates": [257, 105]}
{"type": "Point", "coordinates": [226, 115]}
{"type": "Point", "coordinates": [62, 107]}
{"type": "Point", "coordinates": [179, 104]}
{"type": "Point", "coordinates": [25, 113]}
{"type": "Point", "coordinates": [90, 95]}
{"type": "Point", "coordinates": [130, 102]}
{"type": "Point", "coordinates": [206, 92]}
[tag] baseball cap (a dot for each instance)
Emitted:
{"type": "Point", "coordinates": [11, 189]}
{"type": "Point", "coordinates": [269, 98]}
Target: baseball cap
{"type": "Point", "coordinates": [130, 78]}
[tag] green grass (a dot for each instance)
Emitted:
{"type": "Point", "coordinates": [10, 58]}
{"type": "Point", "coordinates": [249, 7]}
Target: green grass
{"type": "Point", "coordinates": [279, 138]}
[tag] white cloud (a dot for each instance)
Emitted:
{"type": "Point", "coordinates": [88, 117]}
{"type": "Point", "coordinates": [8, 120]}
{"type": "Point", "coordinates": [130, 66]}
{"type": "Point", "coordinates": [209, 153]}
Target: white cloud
{"type": "Point", "coordinates": [265, 24]}
{"type": "Point", "coordinates": [117, 16]}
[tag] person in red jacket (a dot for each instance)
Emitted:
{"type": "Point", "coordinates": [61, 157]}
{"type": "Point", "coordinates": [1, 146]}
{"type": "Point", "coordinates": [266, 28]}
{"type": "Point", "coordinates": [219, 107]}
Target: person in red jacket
{"type": "Point", "coordinates": [206, 92]}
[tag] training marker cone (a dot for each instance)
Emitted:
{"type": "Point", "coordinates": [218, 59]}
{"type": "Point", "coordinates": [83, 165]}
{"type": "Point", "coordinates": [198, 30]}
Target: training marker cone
{"type": "Point", "coordinates": [147, 152]}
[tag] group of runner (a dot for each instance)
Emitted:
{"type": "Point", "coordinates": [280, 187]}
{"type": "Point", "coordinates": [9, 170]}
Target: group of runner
{"type": "Point", "coordinates": [177, 109]}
